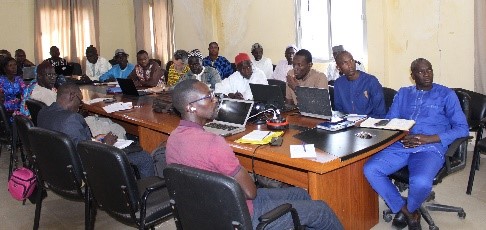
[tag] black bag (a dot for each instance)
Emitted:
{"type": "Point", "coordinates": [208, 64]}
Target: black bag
{"type": "Point", "coordinates": [159, 159]}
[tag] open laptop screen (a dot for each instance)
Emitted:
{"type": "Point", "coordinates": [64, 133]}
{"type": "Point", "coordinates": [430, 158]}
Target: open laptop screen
{"type": "Point", "coordinates": [232, 111]}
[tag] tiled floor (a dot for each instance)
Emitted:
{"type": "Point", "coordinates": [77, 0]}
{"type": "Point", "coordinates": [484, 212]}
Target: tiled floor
{"type": "Point", "coordinates": [58, 213]}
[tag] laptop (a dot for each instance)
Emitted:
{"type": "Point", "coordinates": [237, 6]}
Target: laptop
{"type": "Point", "coordinates": [65, 70]}
{"type": "Point", "coordinates": [270, 95]}
{"type": "Point", "coordinates": [232, 117]}
{"type": "Point", "coordinates": [314, 102]}
{"type": "Point", "coordinates": [28, 73]}
{"type": "Point", "coordinates": [128, 87]}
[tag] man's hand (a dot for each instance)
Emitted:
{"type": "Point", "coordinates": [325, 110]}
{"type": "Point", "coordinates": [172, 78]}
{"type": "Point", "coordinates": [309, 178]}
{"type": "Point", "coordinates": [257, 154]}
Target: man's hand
{"type": "Point", "coordinates": [236, 95]}
{"type": "Point", "coordinates": [109, 138]}
{"type": "Point", "coordinates": [292, 82]}
{"type": "Point", "coordinates": [85, 78]}
{"type": "Point", "coordinates": [412, 141]}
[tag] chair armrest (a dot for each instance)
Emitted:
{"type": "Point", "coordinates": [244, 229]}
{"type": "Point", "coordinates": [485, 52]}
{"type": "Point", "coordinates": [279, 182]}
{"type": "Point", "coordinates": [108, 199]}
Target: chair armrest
{"type": "Point", "coordinates": [276, 213]}
{"type": "Point", "coordinates": [482, 122]}
{"type": "Point", "coordinates": [156, 186]}
{"type": "Point", "coordinates": [453, 147]}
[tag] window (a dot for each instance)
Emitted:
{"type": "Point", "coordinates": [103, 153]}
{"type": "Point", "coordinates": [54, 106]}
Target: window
{"type": "Point", "coordinates": [322, 24]}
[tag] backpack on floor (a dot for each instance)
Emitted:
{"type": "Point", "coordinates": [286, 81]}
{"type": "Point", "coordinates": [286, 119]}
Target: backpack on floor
{"type": "Point", "coordinates": [22, 183]}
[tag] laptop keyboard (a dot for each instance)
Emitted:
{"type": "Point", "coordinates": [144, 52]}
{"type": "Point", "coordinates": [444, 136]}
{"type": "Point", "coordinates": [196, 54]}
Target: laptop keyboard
{"type": "Point", "coordinates": [221, 126]}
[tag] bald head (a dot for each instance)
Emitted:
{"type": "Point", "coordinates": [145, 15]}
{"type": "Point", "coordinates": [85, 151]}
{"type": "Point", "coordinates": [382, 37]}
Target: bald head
{"type": "Point", "coordinates": [183, 93]}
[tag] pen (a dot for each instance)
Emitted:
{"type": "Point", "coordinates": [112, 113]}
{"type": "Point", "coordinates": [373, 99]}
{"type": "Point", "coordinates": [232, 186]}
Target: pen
{"type": "Point", "coordinates": [303, 145]}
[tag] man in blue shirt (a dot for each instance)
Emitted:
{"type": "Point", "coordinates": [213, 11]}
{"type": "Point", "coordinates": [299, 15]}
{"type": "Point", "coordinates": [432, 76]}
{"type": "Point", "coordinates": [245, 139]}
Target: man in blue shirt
{"type": "Point", "coordinates": [120, 70]}
{"type": "Point", "coordinates": [220, 63]}
{"type": "Point", "coordinates": [358, 92]}
{"type": "Point", "coordinates": [439, 120]}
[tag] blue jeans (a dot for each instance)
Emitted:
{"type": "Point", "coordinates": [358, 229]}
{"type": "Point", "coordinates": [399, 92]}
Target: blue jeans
{"type": "Point", "coordinates": [312, 213]}
{"type": "Point", "coordinates": [143, 161]}
{"type": "Point", "coordinates": [423, 164]}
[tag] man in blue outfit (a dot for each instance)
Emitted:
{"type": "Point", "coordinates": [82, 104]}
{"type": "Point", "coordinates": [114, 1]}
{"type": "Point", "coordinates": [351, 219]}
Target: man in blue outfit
{"type": "Point", "coordinates": [439, 120]}
{"type": "Point", "coordinates": [62, 116]}
{"type": "Point", "coordinates": [358, 92]}
{"type": "Point", "coordinates": [220, 63]}
{"type": "Point", "coordinates": [121, 70]}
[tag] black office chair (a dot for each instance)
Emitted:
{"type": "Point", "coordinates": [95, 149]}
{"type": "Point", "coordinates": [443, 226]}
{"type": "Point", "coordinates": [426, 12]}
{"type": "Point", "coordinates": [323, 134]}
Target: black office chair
{"type": "Point", "coordinates": [34, 106]}
{"type": "Point", "coordinates": [208, 200]}
{"type": "Point", "coordinates": [281, 84]}
{"type": "Point", "coordinates": [113, 185]}
{"type": "Point", "coordinates": [22, 126]}
{"type": "Point", "coordinates": [59, 169]}
{"type": "Point", "coordinates": [455, 160]}
{"type": "Point", "coordinates": [331, 96]}
{"type": "Point", "coordinates": [388, 94]}
{"type": "Point", "coordinates": [7, 138]}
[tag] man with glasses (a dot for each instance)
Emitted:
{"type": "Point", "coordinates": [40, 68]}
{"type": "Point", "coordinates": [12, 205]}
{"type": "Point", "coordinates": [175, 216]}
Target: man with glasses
{"type": "Point", "coordinates": [237, 85]}
{"type": "Point", "coordinates": [189, 144]}
{"type": "Point", "coordinates": [206, 74]}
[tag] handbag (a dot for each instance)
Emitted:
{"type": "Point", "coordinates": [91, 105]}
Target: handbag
{"type": "Point", "coordinates": [22, 183]}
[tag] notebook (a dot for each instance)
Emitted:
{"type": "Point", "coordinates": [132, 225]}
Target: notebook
{"type": "Point", "coordinates": [128, 87]}
{"type": "Point", "coordinates": [232, 117]}
{"type": "Point", "coordinates": [28, 73]}
{"type": "Point", "coordinates": [270, 95]}
{"type": "Point", "coordinates": [314, 102]}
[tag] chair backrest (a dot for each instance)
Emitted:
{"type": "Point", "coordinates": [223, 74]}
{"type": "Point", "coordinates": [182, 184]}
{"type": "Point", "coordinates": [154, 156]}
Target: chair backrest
{"type": "Point", "coordinates": [477, 106]}
{"type": "Point", "coordinates": [109, 176]}
{"type": "Point", "coordinates": [388, 94]}
{"type": "Point", "coordinates": [281, 84]}
{"type": "Point", "coordinates": [34, 106]}
{"type": "Point", "coordinates": [5, 126]}
{"type": "Point", "coordinates": [23, 125]}
{"type": "Point", "coordinates": [57, 161]}
{"type": "Point", "coordinates": [206, 200]}
{"type": "Point", "coordinates": [331, 96]}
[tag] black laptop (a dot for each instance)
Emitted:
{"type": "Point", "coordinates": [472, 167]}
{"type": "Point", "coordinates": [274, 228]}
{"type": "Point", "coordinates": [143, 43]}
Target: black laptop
{"type": "Point", "coordinates": [270, 95]}
{"type": "Point", "coordinates": [314, 102]}
{"type": "Point", "coordinates": [128, 87]}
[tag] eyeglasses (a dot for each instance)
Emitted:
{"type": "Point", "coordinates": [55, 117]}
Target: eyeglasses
{"type": "Point", "coordinates": [209, 96]}
{"type": "Point", "coordinates": [51, 75]}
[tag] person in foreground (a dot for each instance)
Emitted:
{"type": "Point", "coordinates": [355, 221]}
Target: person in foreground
{"type": "Point", "coordinates": [439, 120]}
{"type": "Point", "coordinates": [190, 145]}
{"type": "Point", "coordinates": [63, 116]}
{"type": "Point", "coordinates": [358, 92]}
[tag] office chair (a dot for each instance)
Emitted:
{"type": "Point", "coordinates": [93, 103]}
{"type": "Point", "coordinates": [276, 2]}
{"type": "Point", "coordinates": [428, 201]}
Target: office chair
{"type": "Point", "coordinates": [281, 84]}
{"type": "Point", "coordinates": [206, 200]}
{"type": "Point", "coordinates": [388, 94]}
{"type": "Point", "coordinates": [455, 160]}
{"type": "Point", "coordinates": [34, 106]}
{"type": "Point", "coordinates": [59, 169]}
{"type": "Point", "coordinates": [142, 203]}
{"type": "Point", "coordinates": [331, 96]}
{"type": "Point", "coordinates": [22, 125]}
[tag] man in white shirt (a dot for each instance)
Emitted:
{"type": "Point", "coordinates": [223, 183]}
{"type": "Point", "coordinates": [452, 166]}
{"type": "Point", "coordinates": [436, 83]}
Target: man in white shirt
{"type": "Point", "coordinates": [332, 70]}
{"type": "Point", "coordinates": [95, 65]}
{"type": "Point", "coordinates": [261, 62]}
{"type": "Point", "coordinates": [284, 66]}
{"type": "Point", "coordinates": [237, 85]}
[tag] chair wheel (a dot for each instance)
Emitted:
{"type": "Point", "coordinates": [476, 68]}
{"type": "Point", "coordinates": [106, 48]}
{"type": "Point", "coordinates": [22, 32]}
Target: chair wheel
{"type": "Point", "coordinates": [462, 215]}
{"type": "Point", "coordinates": [387, 216]}
{"type": "Point", "coordinates": [433, 227]}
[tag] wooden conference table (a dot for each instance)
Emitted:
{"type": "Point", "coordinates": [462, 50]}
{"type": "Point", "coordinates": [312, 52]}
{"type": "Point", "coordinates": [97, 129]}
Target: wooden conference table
{"type": "Point", "coordinates": [341, 184]}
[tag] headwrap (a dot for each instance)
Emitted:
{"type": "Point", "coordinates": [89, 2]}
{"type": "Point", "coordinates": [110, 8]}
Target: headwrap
{"type": "Point", "coordinates": [196, 53]}
{"type": "Point", "coordinates": [256, 46]}
{"type": "Point", "coordinates": [337, 49]}
{"type": "Point", "coordinates": [241, 57]}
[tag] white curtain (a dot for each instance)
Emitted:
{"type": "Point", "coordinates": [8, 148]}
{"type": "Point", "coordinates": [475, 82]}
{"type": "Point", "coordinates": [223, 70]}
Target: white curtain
{"type": "Point", "coordinates": [71, 25]}
{"type": "Point", "coordinates": [480, 46]}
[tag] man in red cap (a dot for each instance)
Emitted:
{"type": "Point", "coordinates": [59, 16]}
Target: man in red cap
{"type": "Point", "coordinates": [237, 85]}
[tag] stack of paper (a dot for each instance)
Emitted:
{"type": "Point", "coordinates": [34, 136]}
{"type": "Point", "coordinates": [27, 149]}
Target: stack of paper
{"type": "Point", "coordinates": [118, 106]}
{"type": "Point", "coordinates": [393, 124]}
{"type": "Point", "coordinates": [259, 137]}
{"type": "Point", "coordinates": [303, 151]}
{"type": "Point", "coordinates": [122, 143]}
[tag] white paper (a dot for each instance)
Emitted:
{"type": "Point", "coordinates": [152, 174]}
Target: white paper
{"type": "Point", "coordinates": [302, 151]}
{"type": "Point", "coordinates": [96, 100]}
{"type": "Point", "coordinates": [118, 106]}
{"type": "Point", "coordinates": [256, 135]}
{"type": "Point", "coordinates": [122, 143]}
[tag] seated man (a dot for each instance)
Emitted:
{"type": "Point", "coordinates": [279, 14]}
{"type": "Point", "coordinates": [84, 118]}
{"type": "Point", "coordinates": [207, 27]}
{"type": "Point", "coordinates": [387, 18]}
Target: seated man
{"type": "Point", "coordinates": [95, 65]}
{"type": "Point", "coordinates": [63, 116]}
{"type": "Point", "coordinates": [205, 74]}
{"type": "Point", "coordinates": [55, 60]}
{"type": "Point", "coordinates": [22, 61]}
{"type": "Point", "coordinates": [284, 66]}
{"type": "Point", "coordinates": [357, 92]}
{"type": "Point", "coordinates": [121, 69]}
{"type": "Point", "coordinates": [261, 62]}
{"type": "Point", "coordinates": [333, 72]}
{"type": "Point", "coordinates": [190, 145]}
{"type": "Point", "coordinates": [220, 63]}
{"type": "Point", "coordinates": [439, 120]}
{"type": "Point", "coordinates": [146, 73]}
{"type": "Point", "coordinates": [303, 75]}
{"type": "Point", "coordinates": [237, 85]}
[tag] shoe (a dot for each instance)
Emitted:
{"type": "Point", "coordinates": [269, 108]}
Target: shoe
{"type": "Point", "coordinates": [413, 221]}
{"type": "Point", "coordinates": [400, 221]}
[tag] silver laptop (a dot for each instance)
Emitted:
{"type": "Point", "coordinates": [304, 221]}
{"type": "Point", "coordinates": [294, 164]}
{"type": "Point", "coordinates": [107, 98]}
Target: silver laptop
{"type": "Point", "coordinates": [28, 73]}
{"type": "Point", "coordinates": [232, 117]}
{"type": "Point", "coordinates": [314, 102]}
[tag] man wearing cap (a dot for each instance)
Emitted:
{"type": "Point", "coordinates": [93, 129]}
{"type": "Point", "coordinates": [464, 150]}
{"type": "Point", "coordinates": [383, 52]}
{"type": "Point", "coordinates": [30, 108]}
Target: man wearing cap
{"type": "Point", "coordinates": [332, 71]}
{"type": "Point", "coordinates": [284, 66]}
{"type": "Point", "coordinates": [120, 70]}
{"type": "Point", "coordinates": [220, 63]}
{"type": "Point", "coordinates": [237, 85]}
{"type": "Point", "coordinates": [206, 74]}
{"type": "Point", "coordinates": [302, 74]}
{"type": "Point", "coordinates": [261, 62]}
{"type": "Point", "coordinates": [95, 65]}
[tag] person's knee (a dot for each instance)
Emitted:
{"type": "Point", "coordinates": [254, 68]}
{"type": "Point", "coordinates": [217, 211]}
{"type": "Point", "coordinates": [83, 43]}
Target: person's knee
{"type": "Point", "coordinates": [370, 169]}
{"type": "Point", "coordinates": [421, 183]}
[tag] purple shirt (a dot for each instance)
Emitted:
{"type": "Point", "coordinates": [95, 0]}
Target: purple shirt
{"type": "Point", "coordinates": [189, 144]}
